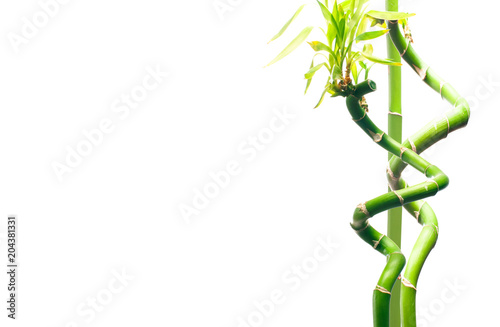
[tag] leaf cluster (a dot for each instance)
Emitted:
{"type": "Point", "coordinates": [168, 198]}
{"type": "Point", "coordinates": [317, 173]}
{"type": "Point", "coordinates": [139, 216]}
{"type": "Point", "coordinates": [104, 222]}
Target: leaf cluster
{"type": "Point", "coordinates": [347, 23]}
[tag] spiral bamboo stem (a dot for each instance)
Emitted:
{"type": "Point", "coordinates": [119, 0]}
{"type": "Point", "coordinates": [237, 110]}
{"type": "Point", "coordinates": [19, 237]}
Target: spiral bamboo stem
{"type": "Point", "coordinates": [402, 194]}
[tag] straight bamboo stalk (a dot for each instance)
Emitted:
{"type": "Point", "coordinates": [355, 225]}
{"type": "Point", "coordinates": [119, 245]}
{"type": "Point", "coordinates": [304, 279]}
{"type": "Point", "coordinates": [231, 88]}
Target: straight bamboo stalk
{"type": "Point", "coordinates": [395, 120]}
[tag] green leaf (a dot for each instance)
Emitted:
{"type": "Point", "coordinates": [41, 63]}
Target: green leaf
{"type": "Point", "coordinates": [326, 13]}
{"type": "Point", "coordinates": [313, 71]}
{"type": "Point", "coordinates": [341, 31]}
{"type": "Point", "coordinates": [347, 3]}
{"type": "Point", "coordinates": [368, 48]}
{"type": "Point", "coordinates": [363, 25]}
{"type": "Point", "coordinates": [354, 71]}
{"type": "Point", "coordinates": [283, 29]}
{"type": "Point", "coordinates": [370, 35]}
{"type": "Point", "coordinates": [388, 15]}
{"type": "Point", "coordinates": [293, 45]}
{"type": "Point", "coordinates": [310, 79]}
{"type": "Point", "coordinates": [379, 22]}
{"type": "Point", "coordinates": [337, 72]}
{"type": "Point", "coordinates": [312, 65]}
{"type": "Point", "coordinates": [318, 46]}
{"type": "Point", "coordinates": [367, 53]}
{"type": "Point", "coordinates": [322, 98]}
{"type": "Point", "coordinates": [331, 33]}
{"type": "Point", "coordinates": [335, 12]}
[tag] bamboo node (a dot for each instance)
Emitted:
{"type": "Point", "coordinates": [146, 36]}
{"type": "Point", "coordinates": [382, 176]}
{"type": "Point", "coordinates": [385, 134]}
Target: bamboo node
{"type": "Point", "coordinates": [364, 115]}
{"type": "Point", "coordinates": [448, 122]}
{"type": "Point", "coordinates": [390, 173]}
{"type": "Point", "coordinates": [376, 137]}
{"type": "Point", "coordinates": [425, 170]}
{"type": "Point", "coordinates": [406, 49]}
{"type": "Point", "coordinates": [403, 149]}
{"type": "Point", "coordinates": [382, 289]}
{"type": "Point", "coordinates": [362, 207]}
{"type": "Point", "coordinates": [433, 181]}
{"type": "Point", "coordinates": [435, 227]}
{"type": "Point", "coordinates": [407, 283]}
{"type": "Point", "coordinates": [378, 242]}
{"type": "Point", "coordinates": [395, 113]}
{"type": "Point", "coordinates": [441, 88]}
{"type": "Point", "coordinates": [399, 197]}
{"type": "Point", "coordinates": [413, 147]}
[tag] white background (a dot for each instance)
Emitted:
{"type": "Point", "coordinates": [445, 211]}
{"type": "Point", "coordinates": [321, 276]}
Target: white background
{"type": "Point", "coordinates": [119, 209]}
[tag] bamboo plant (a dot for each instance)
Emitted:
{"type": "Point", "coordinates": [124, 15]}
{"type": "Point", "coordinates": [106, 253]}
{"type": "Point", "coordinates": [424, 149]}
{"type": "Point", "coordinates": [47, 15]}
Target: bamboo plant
{"type": "Point", "coordinates": [347, 24]}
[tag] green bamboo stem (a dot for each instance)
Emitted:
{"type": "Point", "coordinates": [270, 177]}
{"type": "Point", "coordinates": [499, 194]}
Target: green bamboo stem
{"type": "Point", "coordinates": [405, 196]}
{"type": "Point", "coordinates": [395, 129]}
{"type": "Point", "coordinates": [423, 139]}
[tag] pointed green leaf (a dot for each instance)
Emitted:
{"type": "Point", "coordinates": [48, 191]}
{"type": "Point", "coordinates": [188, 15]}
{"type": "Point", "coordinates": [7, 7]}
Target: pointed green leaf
{"type": "Point", "coordinates": [326, 13]}
{"type": "Point", "coordinates": [318, 46]}
{"type": "Point", "coordinates": [337, 72]}
{"type": "Point", "coordinates": [389, 15]}
{"type": "Point", "coordinates": [293, 45]}
{"type": "Point", "coordinates": [331, 33]}
{"type": "Point", "coordinates": [370, 35]}
{"type": "Point", "coordinates": [310, 79]}
{"type": "Point", "coordinates": [312, 65]}
{"type": "Point", "coordinates": [283, 29]}
{"type": "Point", "coordinates": [335, 12]}
{"type": "Point", "coordinates": [363, 25]}
{"type": "Point", "coordinates": [367, 53]}
{"type": "Point", "coordinates": [313, 71]}
{"type": "Point", "coordinates": [354, 71]}
{"type": "Point", "coordinates": [321, 99]}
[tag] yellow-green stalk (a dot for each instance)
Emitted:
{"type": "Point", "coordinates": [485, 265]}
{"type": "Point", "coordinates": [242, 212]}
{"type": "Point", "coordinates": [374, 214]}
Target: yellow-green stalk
{"type": "Point", "coordinates": [395, 130]}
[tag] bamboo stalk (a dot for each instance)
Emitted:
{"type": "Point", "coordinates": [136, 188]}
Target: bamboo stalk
{"type": "Point", "coordinates": [395, 129]}
{"type": "Point", "coordinates": [437, 181]}
{"type": "Point", "coordinates": [423, 139]}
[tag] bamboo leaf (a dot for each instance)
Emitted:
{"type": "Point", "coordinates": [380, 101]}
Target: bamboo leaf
{"type": "Point", "coordinates": [318, 46]}
{"type": "Point", "coordinates": [389, 15]}
{"type": "Point", "coordinates": [337, 72]}
{"type": "Point", "coordinates": [322, 98]}
{"type": "Point", "coordinates": [354, 71]}
{"type": "Point", "coordinates": [335, 12]}
{"type": "Point", "coordinates": [370, 35]}
{"type": "Point", "coordinates": [313, 70]}
{"type": "Point", "coordinates": [368, 48]}
{"type": "Point", "coordinates": [312, 65]}
{"type": "Point", "coordinates": [293, 45]}
{"type": "Point", "coordinates": [347, 3]}
{"type": "Point", "coordinates": [331, 33]}
{"type": "Point", "coordinates": [310, 79]}
{"type": "Point", "coordinates": [326, 13]}
{"type": "Point", "coordinates": [363, 25]}
{"type": "Point", "coordinates": [368, 54]}
{"type": "Point", "coordinates": [283, 29]}
{"type": "Point", "coordinates": [379, 22]}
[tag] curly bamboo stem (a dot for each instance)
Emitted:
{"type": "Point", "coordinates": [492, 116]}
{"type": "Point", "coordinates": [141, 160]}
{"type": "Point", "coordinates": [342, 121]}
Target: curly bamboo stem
{"type": "Point", "coordinates": [402, 195]}
{"type": "Point", "coordinates": [433, 132]}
